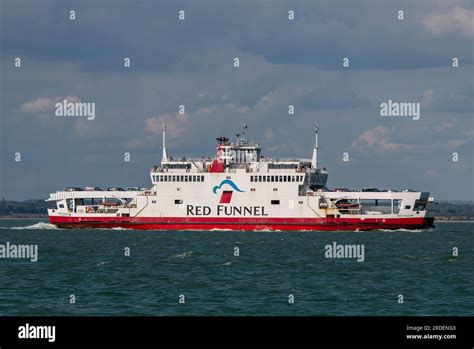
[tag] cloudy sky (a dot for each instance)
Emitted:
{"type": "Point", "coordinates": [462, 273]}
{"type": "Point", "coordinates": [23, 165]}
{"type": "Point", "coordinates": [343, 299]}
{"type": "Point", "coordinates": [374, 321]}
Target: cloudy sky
{"type": "Point", "coordinates": [190, 62]}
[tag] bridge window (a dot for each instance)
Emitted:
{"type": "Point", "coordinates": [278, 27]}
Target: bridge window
{"type": "Point", "coordinates": [275, 202]}
{"type": "Point", "coordinates": [396, 204]}
{"type": "Point", "coordinates": [419, 206]}
{"type": "Point", "coordinates": [178, 202]}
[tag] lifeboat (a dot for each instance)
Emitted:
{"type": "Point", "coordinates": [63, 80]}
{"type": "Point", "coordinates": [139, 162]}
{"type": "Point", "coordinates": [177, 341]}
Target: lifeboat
{"type": "Point", "coordinates": [110, 204]}
{"type": "Point", "coordinates": [346, 205]}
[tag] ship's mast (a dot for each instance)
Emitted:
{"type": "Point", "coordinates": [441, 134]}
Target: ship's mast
{"type": "Point", "coordinates": [314, 160]}
{"type": "Point", "coordinates": [165, 151]}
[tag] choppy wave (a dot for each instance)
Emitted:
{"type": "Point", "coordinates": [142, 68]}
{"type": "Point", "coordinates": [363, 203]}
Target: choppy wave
{"type": "Point", "coordinates": [403, 229]}
{"type": "Point", "coordinates": [36, 226]}
{"type": "Point", "coordinates": [183, 255]}
{"type": "Point", "coordinates": [114, 228]}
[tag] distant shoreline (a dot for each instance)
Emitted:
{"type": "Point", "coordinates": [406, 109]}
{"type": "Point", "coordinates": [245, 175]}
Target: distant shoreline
{"type": "Point", "coordinates": [24, 216]}
{"type": "Point", "coordinates": [454, 219]}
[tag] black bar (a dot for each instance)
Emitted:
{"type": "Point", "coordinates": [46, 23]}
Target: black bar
{"type": "Point", "coordinates": [383, 331]}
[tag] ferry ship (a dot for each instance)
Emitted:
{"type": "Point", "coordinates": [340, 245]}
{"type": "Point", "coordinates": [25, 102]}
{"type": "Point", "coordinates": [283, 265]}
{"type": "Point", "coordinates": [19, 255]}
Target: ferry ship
{"type": "Point", "coordinates": [240, 189]}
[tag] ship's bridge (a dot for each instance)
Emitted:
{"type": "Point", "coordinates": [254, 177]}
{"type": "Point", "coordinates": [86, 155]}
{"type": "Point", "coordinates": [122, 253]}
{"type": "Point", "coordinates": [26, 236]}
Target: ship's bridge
{"type": "Point", "coordinates": [243, 151]}
{"type": "Point", "coordinates": [316, 178]}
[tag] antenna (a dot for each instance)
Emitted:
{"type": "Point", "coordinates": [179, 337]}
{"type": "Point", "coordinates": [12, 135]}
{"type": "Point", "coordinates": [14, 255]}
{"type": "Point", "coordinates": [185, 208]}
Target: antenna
{"type": "Point", "coordinates": [314, 159]}
{"type": "Point", "coordinates": [316, 131]}
{"type": "Point", "coordinates": [165, 151]}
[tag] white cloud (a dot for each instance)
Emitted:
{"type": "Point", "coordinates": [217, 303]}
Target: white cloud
{"type": "Point", "coordinates": [379, 139]}
{"type": "Point", "coordinates": [459, 21]}
{"type": "Point", "coordinates": [175, 124]}
{"type": "Point", "coordinates": [38, 105]}
{"type": "Point", "coordinates": [45, 104]}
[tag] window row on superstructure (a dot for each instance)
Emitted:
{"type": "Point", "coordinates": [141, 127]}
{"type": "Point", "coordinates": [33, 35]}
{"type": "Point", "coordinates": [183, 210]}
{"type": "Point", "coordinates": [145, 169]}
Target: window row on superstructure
{"type": "Point", "coordinates": [178, 178]}
{"type": "Point", "coordinates": [273, 178]}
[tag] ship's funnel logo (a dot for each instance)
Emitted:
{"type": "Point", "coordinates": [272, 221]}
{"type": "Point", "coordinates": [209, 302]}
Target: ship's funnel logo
{"type": "Point", "coordinates": [226, 194]}
{"type": "Point", "coordinates": [228, 182]}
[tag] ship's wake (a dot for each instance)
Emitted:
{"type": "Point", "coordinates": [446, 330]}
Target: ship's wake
{"type": "Point", "coordinates": [36, 226]}
{"type": "Point", "coordinates": [406, 230]}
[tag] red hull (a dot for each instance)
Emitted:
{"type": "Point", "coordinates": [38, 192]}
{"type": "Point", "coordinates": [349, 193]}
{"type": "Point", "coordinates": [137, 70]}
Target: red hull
{"type": "Point", "coordinates": [209, 223]}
